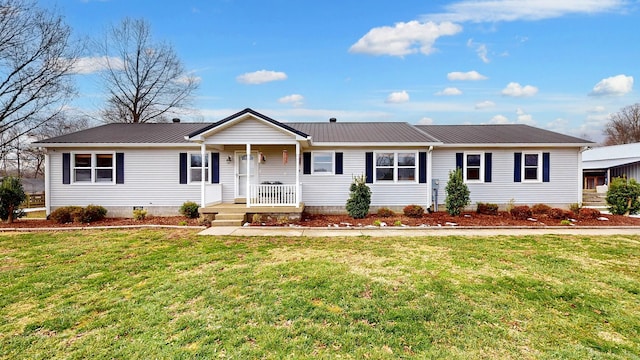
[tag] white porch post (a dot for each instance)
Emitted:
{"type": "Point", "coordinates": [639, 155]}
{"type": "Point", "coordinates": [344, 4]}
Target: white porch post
{"type": "Point", "coordinates": [47, 182]}
{"type": "Point", "coordinates": [203, 174]}
{"type": "Point", "coordinates": [429, 179]}
{"type": "Point", "coordinates": [248, 191]}
{"type": "Point", "coordinates": [297, 174]}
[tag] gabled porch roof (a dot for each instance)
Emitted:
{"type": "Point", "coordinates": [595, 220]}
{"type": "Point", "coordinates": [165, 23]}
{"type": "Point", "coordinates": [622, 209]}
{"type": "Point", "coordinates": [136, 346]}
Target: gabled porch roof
{"type": "Point", "coordinates": [229, 121]}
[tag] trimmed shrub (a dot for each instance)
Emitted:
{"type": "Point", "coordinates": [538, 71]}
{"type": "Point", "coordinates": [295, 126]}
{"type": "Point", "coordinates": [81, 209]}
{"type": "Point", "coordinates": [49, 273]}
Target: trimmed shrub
{"type": "Point", "coordinates": [487, 209]}
{"type": "Point", "coordinates": [385, 212]}
{"type": "Point", "coordinates": [557, 213]}
{"type": "Point", "coordinates": [67, 214]}
{"type": "Point", "coordinates": [458, 195]}
{"type": "Point", "coordinates": [588, 213]}
{"type": "Point", "coordinates": [359, 198]}
{"type": "Point", "coordinates": [622, 196]}
{"type": "Point", "coordinates": [540, 209]}
{"type": "Point", "coordinates": [139, 214]}
{"type": "Point", "coordinates": [93, 213]}
{"type": "Point", "coordinates": [522, 212]}
{"type": "Point", "coordinates": [414, 211]}
{"type": "Point", "coordinates": [575, 207]}
{"type": "Point", "coordinates": [190, 209]}
{"type": "Point", "coordinates": [11, 196]}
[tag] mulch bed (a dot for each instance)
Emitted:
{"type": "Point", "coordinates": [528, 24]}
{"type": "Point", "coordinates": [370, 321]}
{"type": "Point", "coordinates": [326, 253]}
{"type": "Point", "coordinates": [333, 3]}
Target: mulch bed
{"type": "Point", "coordinates": [151, 220]}
{"type": "Point", "coordinates": [465, 219]}
{"type": "Point", "coordinates": [323, 221]}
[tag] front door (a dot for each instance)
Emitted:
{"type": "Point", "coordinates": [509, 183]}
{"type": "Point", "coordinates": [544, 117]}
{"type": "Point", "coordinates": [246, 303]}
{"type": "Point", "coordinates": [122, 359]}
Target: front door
{"type": "Point", "coordinates": [241, 171]}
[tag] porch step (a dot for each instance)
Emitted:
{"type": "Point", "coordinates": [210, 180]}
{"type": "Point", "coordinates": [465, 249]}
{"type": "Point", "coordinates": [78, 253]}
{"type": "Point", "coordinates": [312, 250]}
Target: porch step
{"type": "Point", "coordinates": [229, 219]}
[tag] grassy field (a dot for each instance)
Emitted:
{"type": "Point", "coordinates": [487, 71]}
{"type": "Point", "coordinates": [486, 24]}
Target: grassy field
{"type": "Point", "coordinates": [144, 294]}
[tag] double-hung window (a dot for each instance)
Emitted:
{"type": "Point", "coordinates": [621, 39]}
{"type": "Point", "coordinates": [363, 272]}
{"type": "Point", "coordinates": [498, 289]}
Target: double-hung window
{"type": "Point", "coordinates": [473, 167]}
{"type": "Point", "coordinates": [532, 168]}
{"type": "Point", "coordinates": [196, 164]}
{"type": "Point", "coordinates": [93, 168]}
{"type": "Point", "coordinates": [322, 162]}
{"type": "Point", "coordinates": [395, 167]}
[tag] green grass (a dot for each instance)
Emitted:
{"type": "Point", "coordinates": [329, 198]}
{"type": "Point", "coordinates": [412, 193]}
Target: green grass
{"type": "Point", "coordinates": [169, 294]}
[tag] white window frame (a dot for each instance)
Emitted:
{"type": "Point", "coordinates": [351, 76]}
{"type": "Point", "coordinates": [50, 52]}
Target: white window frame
{"type": "Point", "coordinates": [207, 168]}
{"type": "Point", "coordinates": [395, 167]}
{"type": "Point", "coordinates": [93, 168]}
{"type": "Point", "coordinates": [331, 168]}
{"type": "Point", "coordinates": [481, 168]}
{"type": "Point", "coordinates": [538, 178]}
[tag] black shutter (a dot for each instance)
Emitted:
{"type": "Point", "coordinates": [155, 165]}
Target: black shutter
{"type": "Point", "coordinates": [215, 168]}
{"type": "Point", "coordinates": [66, 168]}
{"type": "Point", "coordinates": [368, 160]}
{"type": "Point", "coordinates": [422, 167]}
{"type": "Point", "coordinates": [183, 168]}
{"type": "Point", "coordinates": [119, 168]}
{"type": "Point", "coordinates": [487, 167]}
{"type": "Point", "coordinates": [459, 160]}
{"type": "Point", "coordinates": [339, 162]}
{"type": "Point", "coordinates": [306, 163]}
{"type": "Point", "coordinates": [545, 167]}
{"type": "Point", "coordinates": [517, 167]}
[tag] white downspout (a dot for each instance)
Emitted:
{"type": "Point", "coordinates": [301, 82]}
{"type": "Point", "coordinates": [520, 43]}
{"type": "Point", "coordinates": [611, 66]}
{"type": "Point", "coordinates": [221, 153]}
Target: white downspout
{"type": "Point", "coordinates": [429, 177]}
{"type": "Point", "coordinates": [298, 187]}
{"type": "Point", "coordinates": [248, 191]}
{"type": "Point", "coordinates": [203, 150]}
{"type": "Point", "coordinates": [47, 182]}
{"type": "Point", "coordinates": [580, 173]}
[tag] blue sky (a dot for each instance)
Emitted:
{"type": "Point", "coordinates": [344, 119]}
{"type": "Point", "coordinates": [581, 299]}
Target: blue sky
{"type": "Point", "coordinates": [563, 65]}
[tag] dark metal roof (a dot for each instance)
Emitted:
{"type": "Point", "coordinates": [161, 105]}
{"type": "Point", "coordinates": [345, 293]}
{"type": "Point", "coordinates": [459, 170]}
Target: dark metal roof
{"type": "Point", "coordinates": [497, 134]}
{"type": "Point", "coordinates": [360, 132]}
{"type": "Point", "coordinates": [240, 113]}
{"type": "Point", "coordinates": [164, 133]}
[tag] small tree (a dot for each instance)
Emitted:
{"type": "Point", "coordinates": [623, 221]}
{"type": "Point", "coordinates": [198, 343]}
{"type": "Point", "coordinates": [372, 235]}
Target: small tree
{"type": "Point", "coordinates": [359, 198]}
{"type": "Point", "coordinates": [457, 193]}
{"type": "Point", "coordinates": [11, 196]}
{"type": "Point", "coordinates": [622, 196]}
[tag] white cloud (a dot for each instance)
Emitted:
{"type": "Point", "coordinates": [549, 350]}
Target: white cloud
{"type": "Point", "coordinates": [514, 10]}
{"type": "Point", "coordinates": [293, 99]}
{"type": "Point", "coordinates": [615, 85]}
{"type": "Point", "coordinates": [516, 90]}
{"type": "Point", "coordinates": [450, 91]}
{"type": "Point", "coordinates": [93, 64]}
{"type": "Point", "coordinates": [188, 79]}
{"type": "Point", "coordinates": [484, 105]}
{"type": "Point", "coordinates": [425, 121]}
{"type": "Point", "coordinates": [499, 119]}
{"type": "Point", "coordinates": [465, 76]}
{"type": "Point", "coordinates": [481, 50]}
{"type": "Point", "coordinates": [397, 97]}
{"type": "Point", "coordinates": [403, 38]}
{"type": "Point", "coordinates": [596, 109]}
{"type": "Point", "coordinates": [524, 118]}
{"type": "Point", "coordinates": [261, 77]}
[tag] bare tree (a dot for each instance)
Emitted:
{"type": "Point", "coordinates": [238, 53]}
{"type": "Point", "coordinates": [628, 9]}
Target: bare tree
{"type": "Point", "coordinates": [145, 80]}
{"type": "Point", "coordinates": [36, 60]}
{"type": "Point", "coordinates": [623, 127]}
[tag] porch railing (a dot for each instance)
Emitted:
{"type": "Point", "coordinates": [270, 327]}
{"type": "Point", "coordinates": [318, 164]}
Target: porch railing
{"type": "Point", "coordinates": [273, 195]}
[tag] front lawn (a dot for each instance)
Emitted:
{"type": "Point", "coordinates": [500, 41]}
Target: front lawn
{"type": "Point", "coordinates": [169, 294]}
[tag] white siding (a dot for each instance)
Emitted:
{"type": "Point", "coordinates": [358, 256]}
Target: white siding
{"type": "Point", "coordinates": [562, 189]}
{"type": "Point", "coordinates": [151, 179]}
{"type": "Point", "coordinates": [333, 190]}
{"type": "Point", "coordinates": [252, 131]}
{"type": "Point", "coordinates": [631, 171]}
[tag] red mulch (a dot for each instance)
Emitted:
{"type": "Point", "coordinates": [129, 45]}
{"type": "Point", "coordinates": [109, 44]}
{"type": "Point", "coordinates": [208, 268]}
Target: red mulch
{"type": "Point", "coordinates": [466, 219]}
{"type": "Point", "coordinates": [313, 220]}
{"type": "Point", "coordinates": [151, 220]}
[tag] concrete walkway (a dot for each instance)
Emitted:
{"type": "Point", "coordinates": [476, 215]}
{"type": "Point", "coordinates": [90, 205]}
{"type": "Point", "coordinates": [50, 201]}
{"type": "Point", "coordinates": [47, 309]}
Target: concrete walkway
{"type": "Point", "coordinates": [415, 231]}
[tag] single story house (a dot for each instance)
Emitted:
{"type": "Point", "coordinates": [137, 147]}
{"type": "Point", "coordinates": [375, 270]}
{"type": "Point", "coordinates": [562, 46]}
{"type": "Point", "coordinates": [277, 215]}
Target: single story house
{"type": "Point", "coordinates": [602, 164]}
{"type": "Point", "coordinates": [252, 159]}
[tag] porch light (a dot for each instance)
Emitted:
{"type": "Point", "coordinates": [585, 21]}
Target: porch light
{"type": "Point", "coordinates": [229, 159]}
